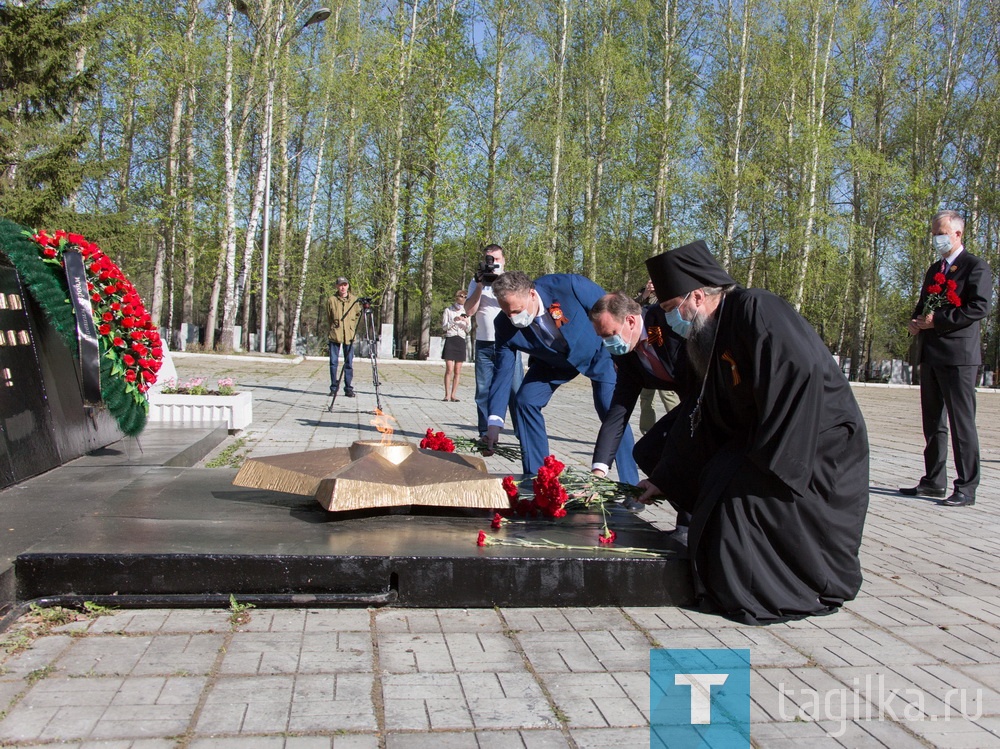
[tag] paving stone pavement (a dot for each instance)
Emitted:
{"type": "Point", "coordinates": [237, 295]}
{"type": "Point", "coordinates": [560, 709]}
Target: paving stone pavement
{"type": "Point", "coordinates": [913, 662]}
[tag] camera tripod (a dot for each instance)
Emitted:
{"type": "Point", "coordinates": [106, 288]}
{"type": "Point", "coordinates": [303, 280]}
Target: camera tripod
{"type": "Point", "coordinates": [368, 318]}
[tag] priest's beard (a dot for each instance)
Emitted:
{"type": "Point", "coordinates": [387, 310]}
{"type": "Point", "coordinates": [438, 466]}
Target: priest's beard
{"type": "Point", "coordinates": [701, 342]}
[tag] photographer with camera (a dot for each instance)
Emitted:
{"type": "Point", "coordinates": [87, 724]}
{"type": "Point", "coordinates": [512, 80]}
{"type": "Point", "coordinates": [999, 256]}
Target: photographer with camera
{"type": "Point", "coordinates": [482, 303]}
{"type": "Point", "coordinates": [343, 311]}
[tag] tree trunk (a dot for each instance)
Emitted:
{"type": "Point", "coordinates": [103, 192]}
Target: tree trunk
{"type": "Point", "coordinates": [559, 94]}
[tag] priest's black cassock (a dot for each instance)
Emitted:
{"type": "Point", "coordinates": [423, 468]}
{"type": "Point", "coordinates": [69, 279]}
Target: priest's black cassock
{"type": "Point", "coordinates": [776, 473]}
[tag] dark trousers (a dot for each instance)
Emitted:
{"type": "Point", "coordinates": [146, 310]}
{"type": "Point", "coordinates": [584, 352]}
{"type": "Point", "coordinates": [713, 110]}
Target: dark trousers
{"type": "Point", "coordinates": [950, 389]}
{"type": "Point", "coordinates": [348, 365]}
{"type": "Point", "coordinates": [650, 447]}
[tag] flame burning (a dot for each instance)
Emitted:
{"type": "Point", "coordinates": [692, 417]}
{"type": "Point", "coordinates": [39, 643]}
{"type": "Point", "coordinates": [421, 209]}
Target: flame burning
{"type": "Point", "coordinates": [382, 422]}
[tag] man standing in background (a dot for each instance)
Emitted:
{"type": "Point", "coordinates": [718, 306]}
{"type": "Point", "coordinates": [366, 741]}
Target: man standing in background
{"type": "Point", "coordinates": [482, 303]}
{"type": "Point", "coordinates": [955, 296]}
{"type": "Point", "coordinates": [343, 313]}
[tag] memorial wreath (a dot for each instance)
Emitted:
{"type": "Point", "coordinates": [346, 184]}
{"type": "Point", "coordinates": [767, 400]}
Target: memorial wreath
{"type": "Point", "coordinates": [129, 346]}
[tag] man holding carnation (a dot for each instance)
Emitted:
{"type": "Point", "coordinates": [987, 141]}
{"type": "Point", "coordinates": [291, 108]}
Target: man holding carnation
{"type": "Point", "coordinates": [954, 297]}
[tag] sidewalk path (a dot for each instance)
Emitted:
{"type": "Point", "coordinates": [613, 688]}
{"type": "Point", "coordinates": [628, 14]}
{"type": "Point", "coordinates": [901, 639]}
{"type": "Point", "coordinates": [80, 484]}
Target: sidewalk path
{"type": "Point", "coordinates": [913, 662]}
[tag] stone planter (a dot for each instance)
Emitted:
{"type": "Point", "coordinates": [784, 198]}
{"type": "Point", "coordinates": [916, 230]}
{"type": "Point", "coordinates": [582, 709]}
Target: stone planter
{"type": "Point", "coordinates": [236, 410]}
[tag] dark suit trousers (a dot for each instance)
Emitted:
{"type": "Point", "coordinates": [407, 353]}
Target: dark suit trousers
{"type": "Point", "coordinates": [951, 389]}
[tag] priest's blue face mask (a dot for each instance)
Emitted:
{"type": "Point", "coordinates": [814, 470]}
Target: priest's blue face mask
{"type": "Point", "coordinates": [616, 344]}
{"type": "Point", "coordinates": [677, 322]}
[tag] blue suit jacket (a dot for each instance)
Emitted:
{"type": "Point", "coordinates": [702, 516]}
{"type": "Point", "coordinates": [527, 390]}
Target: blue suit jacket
{"type": "Point", "coordinates": [587, 355]}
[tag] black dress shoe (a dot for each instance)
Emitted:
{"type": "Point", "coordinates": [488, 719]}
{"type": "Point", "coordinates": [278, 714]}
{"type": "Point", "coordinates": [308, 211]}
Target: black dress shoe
{"type": "Point", "coordinates": [958, 499]}
{"type": "Point", "coordinates": [921, 490]}
{"type": "Point", "coordinates": [350, 394]}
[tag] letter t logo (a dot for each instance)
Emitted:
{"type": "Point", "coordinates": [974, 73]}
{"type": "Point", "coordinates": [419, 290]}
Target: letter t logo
{"type": "Point", "coordinates": [701, 694]}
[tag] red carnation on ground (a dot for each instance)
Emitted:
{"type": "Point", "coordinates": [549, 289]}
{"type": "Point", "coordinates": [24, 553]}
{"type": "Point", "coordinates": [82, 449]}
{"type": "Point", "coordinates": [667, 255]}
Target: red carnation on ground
{"type": "Point", "coordinates": [608, 537]}
{"type": "Point", "coordinates": [481, 540]}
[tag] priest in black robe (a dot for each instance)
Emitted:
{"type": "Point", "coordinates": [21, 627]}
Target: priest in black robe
{"type": "Point", "coordinates": [769, 455]}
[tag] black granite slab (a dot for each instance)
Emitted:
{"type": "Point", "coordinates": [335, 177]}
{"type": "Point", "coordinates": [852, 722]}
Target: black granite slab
{"type": "Point", "coordinates": [190, 533]}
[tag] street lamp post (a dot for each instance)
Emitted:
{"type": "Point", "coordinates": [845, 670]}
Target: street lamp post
{"type": "Point", "coordinates": [316, 17]}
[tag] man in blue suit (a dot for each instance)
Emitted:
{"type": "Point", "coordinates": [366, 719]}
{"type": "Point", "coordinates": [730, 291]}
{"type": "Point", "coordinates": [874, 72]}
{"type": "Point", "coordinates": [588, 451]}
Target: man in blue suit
{"type": "Point", "coordinates": [549, 319]}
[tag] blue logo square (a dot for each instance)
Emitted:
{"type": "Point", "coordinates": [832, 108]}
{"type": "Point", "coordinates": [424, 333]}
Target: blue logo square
{"type": "Point", "coordinates": [699, 698]}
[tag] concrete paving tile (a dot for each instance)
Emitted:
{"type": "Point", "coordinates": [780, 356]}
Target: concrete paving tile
{"type": "Point", "coordinates": [956, 735]}
{"type": "Point", "coordinates": [485, 651]}
{"type": "Point", "coordinates": [906, 611]}
{"type": "Point", "coordinates": [479, 740]}
{"type": "Point", "coordinates": [247, 705]}
{"type": "Point", "coordinates": [337, 620]}
{"type": "Point", "coordinates": [180, 654]}
{"type": "Point", "coordinates": [957, 644]}
{"type": "Point", "coordinates": [469, 620]}
{"type": "Point", "coordinates": [589, 738]}
{"type": "Point", "coordinates": [536, 620]}
{"type": "Point", "coordinates": [41, 653]}
{"type": "Point", "coordinates": [659, 617]}
{"type": "Point", "coordinates": [286, 653]}
{"type": "Point", "coordinates": [853, 647]}
{"type": "Point", "coordinates": [766, 648]}
{"type": "Point", "coordinates": [104, 656]}
{"type": "Point", "coordinates": [102, 707]}
{"type": "Point", "coordinates": [126, 744]}
{"type": "Point", "coordinates": [9, 689]}
{"type": "Point", "coordinates": [597, 700]}
{"type": "Point", "coordinates": [789, 694]}
{"type": "Point", "coordinates": [416, 621]}
{"type": "Point", "coordinates": [983, 608]}
{"type": "Point", "coordinates": [275, 620]}
{"type": "Point", "coordinates": [409, 653]}
{"type": "Point", "coordinates": [560, 652]}
{"type": "Point", "coordinates": [161, 620]}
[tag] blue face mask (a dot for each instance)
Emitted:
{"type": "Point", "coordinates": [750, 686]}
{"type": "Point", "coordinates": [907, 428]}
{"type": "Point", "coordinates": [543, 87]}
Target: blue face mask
{"type": "Point", "coordinates": [941, 244]}
{"type": "Point", "coordinates": [677, 323]}
{"type": "Point", "coordinates": [616, 345]}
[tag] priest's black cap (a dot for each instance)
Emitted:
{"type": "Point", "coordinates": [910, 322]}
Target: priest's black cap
{"type": "Point", "coordinates": [682, 270]}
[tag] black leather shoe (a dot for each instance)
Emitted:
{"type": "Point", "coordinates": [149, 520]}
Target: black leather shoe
{"type": "Point", "coordinates": [350, 394]}
{"type": "Point", "coordinates": [921, 490]}
{"type": "Point", "coordinates": [958, 499]}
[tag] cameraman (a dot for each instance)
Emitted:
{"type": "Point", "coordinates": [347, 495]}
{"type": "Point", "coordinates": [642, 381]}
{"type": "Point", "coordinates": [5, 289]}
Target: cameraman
{"type": "Point", "coordinates": [482, 303]}
{"type": "Point", "coordinates": [343, 312]}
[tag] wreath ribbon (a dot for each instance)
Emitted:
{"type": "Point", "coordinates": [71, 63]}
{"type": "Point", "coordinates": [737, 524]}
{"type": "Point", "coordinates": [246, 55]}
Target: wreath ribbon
{"type": "Point", "coordinates": [86, 329]}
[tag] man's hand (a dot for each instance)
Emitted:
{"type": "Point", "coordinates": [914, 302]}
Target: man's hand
{"type": "Point", "coordinates": [650, 491]}
{"type": "Point", "coordinates": [599, 473]}
{"type": "Point", "coordinates": [492, 437]}
{"type": "Point", "coordinates": [921, 323]}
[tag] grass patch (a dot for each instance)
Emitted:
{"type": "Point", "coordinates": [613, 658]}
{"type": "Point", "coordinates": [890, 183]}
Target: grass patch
{"type": "Point", "coordinates": [239, 613]}
{"type": "Point", "coordinates": [228, 458]}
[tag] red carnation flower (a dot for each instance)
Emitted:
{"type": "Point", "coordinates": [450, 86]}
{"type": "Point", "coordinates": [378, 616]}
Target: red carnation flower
{"type": "Point", "coordinates": [939, 278]}
{"type": "Point", "coordinates": [481, 540]}
{"type": "Point", "coordinates": [104, 329]}
{"type": "Point", "coordinates": [119, 341]}
{"type": "Point", "coordinates": [608, 537]}
{"type": "Point", "coordinates": [109, 290]}
{"type": "Point", "coordinates": [952, 284]}
{"type": "Point", "coordinates": [954, 298]}
{"type": "Point", "coordinates": [130, 375]}
{"type": "Point", "coordinates": [497, 521]}
{"type": "Point", "coordinates": [129, 360]}
{"type": "Point", "coordinates": [49, 252]}
{"type": "Point", "coordinates": [934, 289]}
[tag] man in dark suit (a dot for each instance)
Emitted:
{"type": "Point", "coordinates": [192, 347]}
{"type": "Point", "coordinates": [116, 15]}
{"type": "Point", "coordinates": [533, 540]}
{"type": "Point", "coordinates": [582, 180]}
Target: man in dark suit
{"type": "Point", "coordinates": [647, 354]}
{"type": "Point", "coordinates": [649, 357]}
{"type": "Point", "coordinates": [548, 319]}
{"type": "Point", "coordinates": [955, 296]}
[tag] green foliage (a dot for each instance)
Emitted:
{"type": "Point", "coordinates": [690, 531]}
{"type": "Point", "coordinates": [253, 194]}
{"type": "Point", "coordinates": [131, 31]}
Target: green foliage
{"type": "Point", "coordinates": [39, 89]}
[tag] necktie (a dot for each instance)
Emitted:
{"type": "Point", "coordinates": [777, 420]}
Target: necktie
{"type": "Point", "coordinates": [944, 265]}
{"type": "Point", "coordinates": [655, 365]}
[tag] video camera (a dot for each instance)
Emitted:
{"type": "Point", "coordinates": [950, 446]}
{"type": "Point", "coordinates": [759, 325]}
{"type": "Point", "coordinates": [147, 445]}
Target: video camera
{"type": "Point", "coordinates": [487, 270]}
{"type": "Point", "coordinates": [365, 302]}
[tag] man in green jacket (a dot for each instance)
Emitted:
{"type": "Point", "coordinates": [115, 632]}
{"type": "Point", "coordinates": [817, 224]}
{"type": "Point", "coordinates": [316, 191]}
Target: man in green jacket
{"type": "Point", "coordinates": [343, 312]}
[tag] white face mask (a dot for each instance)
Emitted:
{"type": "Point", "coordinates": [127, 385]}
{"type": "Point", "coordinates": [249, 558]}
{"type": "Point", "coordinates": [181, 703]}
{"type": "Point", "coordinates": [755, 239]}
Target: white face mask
{"type": "Point", "coordinates": [522, 319]}
{"type": "Point", "coordinates": [941, 244]}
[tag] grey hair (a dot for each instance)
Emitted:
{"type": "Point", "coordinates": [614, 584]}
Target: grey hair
{"type": "Point", "coordinates": [956, 219]}
{"type": "Point", "coordinates": [512, 282]}
{"type": "Point", "coordinates": [716, 290]}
